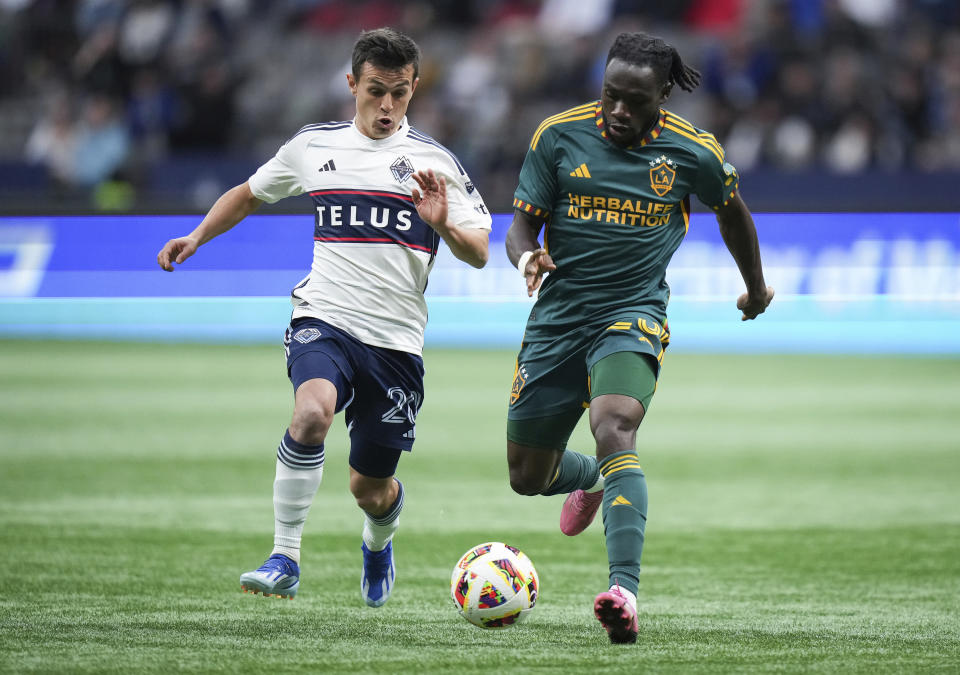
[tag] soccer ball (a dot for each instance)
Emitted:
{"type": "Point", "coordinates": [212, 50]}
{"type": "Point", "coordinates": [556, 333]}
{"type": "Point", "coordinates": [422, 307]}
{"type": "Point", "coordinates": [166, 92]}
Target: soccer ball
{"type": "Point", "coordinates": [494, 585]}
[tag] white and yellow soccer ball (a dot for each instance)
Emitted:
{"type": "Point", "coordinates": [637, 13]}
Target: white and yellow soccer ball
{"type": "Point", "coordinates": [494, 585]}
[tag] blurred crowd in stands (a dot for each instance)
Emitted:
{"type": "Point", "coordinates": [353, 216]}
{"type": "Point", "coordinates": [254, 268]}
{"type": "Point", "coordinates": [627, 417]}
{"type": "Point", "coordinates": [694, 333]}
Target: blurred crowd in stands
{"type": "Point", "coordinates": [97, 94]}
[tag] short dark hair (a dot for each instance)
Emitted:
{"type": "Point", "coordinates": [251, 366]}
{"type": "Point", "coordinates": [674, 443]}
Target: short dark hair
{"type": "Point", "coordinates": [385, 48]}
{"type": "Point", "coordinates": [640, 49]}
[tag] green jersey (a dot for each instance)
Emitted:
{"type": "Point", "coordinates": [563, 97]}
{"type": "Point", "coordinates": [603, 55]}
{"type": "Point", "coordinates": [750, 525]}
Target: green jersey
{"type": "Point", "coordinates": [614, 216]}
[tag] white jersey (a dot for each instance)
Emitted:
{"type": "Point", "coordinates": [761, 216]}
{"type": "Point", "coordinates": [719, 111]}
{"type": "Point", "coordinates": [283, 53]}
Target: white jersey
{"type": "Point", "coordinates": [372, 252]}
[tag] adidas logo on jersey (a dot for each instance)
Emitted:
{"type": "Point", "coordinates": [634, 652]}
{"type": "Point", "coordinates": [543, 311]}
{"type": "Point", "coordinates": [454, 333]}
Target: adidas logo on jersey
{"type": "Point", "coordinates": [581, 172]}
{"type": "Point", "coordinates": [329, 166]}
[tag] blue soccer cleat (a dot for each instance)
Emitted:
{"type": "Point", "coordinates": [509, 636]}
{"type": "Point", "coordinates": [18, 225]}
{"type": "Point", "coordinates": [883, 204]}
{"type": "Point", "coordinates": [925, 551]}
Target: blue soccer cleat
{"type": "Point", "coordinates": [279, 576]}
{"type": "Point", "coordinates": [376, 581]}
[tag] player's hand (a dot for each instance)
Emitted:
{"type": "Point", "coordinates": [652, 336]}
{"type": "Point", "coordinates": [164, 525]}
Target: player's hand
{"type": "Point", "coordinates": [176, 251]}
{"type": "Point", "coordinates": [539, 264]}
{"type": "Point", "coordinates": [752, 306]}
{"type": "Point", "coordinates": [431, 203]}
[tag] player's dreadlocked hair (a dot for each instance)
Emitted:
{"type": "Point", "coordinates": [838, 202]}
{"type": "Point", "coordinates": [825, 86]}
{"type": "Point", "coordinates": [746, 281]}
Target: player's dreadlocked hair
{"type": "Point", "coordinates": [640, 49]}
{"type": "Point", "coordinates": [385, 48]}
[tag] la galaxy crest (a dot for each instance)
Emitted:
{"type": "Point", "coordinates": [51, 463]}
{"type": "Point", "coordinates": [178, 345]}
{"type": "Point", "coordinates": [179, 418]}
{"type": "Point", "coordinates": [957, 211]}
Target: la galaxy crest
{"type": "Point", "coordinates": [519, 379]}
{"type": "Point", "coordinates": [663, 171]}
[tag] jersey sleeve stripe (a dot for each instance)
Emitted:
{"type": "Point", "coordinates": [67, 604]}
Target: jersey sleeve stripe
{"type": "Point", "coordinates": [530, 208]}
{"type": "Point", "coordinates": [322, 126]}
{"type": "Point", "coordinates": [571, 111]}
{"type": "Point", "coordinates": [711, 139]}
{"type": "Point", "coordinates": [678, 121]}
{"type": "Point", "coordinates": [423, 138]}
{"type": "Point", "coordinates": [582, 112]}
{"type": "Point", "coordinates": [674, 118]}
{"type": "Point", "coordinates": [536, 138]}
{"type": "Point", "coordinates": [697, 139]}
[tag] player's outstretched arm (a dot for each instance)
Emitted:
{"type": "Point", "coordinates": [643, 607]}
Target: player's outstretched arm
{"type": "Point", "coordinates": [469, 245]}
{"type": "Point", "coordinates": [521, 241]}
{"type": "Point", "coordinates": [233, 206]}
{"type": "Point", "coordinates": [740, 235]}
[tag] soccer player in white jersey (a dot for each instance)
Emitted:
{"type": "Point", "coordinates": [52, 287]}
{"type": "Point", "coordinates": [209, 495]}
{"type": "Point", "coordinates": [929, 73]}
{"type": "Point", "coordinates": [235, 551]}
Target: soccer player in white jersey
{"type": "Point", "coordinates": [385, 194]}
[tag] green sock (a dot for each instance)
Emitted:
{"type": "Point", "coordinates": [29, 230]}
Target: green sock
{"type": "Point", "coordinates": [576, 472]}
{"type": "Point", "coordinates": [624, 516]}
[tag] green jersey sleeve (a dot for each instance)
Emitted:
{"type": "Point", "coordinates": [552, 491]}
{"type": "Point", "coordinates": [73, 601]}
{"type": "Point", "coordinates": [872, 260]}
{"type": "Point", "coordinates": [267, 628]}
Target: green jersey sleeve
{"type": "Point", "coordinates": [717, 179]}
{"type": "Point", "coordinates": [537, 188]}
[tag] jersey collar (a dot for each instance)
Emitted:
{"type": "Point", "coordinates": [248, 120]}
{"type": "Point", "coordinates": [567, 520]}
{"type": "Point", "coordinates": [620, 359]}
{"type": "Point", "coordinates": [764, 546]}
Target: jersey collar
{"type": "Point", "coordinates": [396, 137]}
{"type": "Point", "coordinates": [654, 132]}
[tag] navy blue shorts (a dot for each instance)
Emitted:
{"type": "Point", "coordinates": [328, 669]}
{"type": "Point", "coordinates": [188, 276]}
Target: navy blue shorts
{"type": "Point", "coordinates": [380, 390]}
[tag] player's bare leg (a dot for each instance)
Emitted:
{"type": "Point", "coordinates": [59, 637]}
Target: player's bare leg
{"type": "Point", "coordinates": [299, 471]}
{"type": "Point", "coordinates": [531, 468]}
{"type": "Point", "coordinates": [537, 459]}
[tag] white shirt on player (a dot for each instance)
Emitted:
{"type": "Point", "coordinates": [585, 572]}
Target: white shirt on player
{"type": "Point", "coordinates": [372, 252]}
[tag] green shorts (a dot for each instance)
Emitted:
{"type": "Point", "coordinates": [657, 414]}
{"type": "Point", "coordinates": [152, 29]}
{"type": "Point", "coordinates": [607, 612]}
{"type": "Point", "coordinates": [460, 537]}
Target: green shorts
{"type": "Point", "coordinates": [552, 380]}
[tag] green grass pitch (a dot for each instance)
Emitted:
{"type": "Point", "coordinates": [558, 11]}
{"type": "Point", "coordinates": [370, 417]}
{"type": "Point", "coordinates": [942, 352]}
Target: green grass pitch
{"type": "Point", "coordinates": [804, 516]}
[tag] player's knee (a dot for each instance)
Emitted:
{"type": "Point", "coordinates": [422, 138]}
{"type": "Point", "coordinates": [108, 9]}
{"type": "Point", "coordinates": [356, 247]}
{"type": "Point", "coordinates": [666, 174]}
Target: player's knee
{"type": "Point", "coordinates": [371, 503]}
{"type": "Point", "coordinates": [525, 481]}
{"type": "Point", "coordinates": [311, 420]}
{"type": "Point", "coordinates": [615, 431]}
{"type": "Point", "coordinates": [371, 498]}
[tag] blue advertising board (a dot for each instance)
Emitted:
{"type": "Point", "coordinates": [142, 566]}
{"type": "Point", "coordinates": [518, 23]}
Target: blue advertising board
{"type": "Point", "coordinates": [850, 283]}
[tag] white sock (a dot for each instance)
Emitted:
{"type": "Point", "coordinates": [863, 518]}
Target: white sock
{"type": "Point", "coordinates": [379, 530]}
{"type": "Point", "coordinates": [631, 598]}
{"type": "Point", "coordinates": [598, 486]}
{"type": "Point", "coordinates": [376, 537]}
{"type": "Point", "coordinates": [293, 491]}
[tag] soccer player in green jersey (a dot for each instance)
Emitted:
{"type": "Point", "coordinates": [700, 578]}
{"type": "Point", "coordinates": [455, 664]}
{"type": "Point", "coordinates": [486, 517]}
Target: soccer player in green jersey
{"type": "Point", "coordinates": [609, 184]}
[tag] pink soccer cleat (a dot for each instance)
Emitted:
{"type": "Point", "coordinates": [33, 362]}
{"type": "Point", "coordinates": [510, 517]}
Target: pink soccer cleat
{"type": "Point", "coordinates": [617, 615]}
{"type": "Point", "coordinates": [579, 510]}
